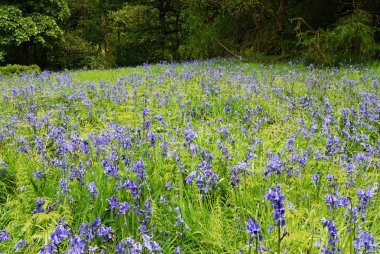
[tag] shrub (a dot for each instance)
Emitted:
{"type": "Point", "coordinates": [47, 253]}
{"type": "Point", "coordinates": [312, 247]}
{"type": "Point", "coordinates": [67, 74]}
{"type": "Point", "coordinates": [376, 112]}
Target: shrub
{"type": "Point", "coordinates": [11, 69]}
{"type": "Point", "coordinates": [352, 39]}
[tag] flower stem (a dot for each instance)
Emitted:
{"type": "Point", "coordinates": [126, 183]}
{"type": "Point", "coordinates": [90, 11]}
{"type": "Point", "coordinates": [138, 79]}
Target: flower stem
{"type": "Point", "coordinates": [278, 238]}
{"type": "Point", "coordinates": [257, 245]}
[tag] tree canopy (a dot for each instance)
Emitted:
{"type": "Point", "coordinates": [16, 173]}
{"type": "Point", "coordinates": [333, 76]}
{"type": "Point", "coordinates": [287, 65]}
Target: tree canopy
{"type": "Point", "coordinates": [59, 34]}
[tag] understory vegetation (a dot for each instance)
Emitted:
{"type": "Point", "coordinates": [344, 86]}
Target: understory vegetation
{"type": "Point", "coordinates": [214, 156]}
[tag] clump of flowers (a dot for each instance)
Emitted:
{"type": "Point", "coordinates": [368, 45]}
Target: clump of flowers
{"type": "Point", "coordinates": [253, 229]}
{"type": "Point", "coordinates": [4, 235]}
{"type": "Point", "coordinates": [333, 242]}
{"type": "Point", "coordinates": [365, 243]}
{"type": "Point", "coordinates": [277, 199]}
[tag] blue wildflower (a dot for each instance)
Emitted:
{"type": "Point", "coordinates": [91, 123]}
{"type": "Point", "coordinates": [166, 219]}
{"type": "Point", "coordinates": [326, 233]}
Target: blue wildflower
{"type": "Point", "coordinates": [38, 174]}
{"type": "Point", "coordinates": [92, 189]}
{"type": "Point", "coordinates": [4, 235]}
{"type": "Point", "coordinates": [240, 169]}
{"type": "Point", "coordinates": [19, 244]}
{"type": "Point", "coordinates": [334, 238]}
{"type": "Point", "coordinates": [38, 208]}
{"type": "Point", "coordinates": [365, 243]}
{"type": "Point", "coordinates": [63, 184]}
{"type": "Point", "coordinates": [364, 197]}
{"type": "Point", "coordinates": [277, 198]}
{"type": "Point", "coordinates": [315, 179]}
{"type": "Point", "coordinates": [139, 168]}
{"type": "Point", "coordinates": [105, 232]}
{"type": "Point", "coordinates": [253, 228]}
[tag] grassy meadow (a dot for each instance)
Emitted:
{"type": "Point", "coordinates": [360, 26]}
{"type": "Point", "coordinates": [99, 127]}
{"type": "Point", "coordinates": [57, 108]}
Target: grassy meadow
{"type": "Point", "coordinates": [210, 156]}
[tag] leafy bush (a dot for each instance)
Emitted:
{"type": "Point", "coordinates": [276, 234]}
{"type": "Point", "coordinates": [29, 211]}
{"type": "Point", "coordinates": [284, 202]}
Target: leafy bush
{"type": "Point", "coordinates": [352, 39]}
{"type": "Point", "coordinates": [11, 69]}
{"type": "Point", "coordinates": [75, 53]}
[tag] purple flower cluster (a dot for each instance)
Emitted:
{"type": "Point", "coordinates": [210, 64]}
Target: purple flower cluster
{"type": "Point", "coordinates": [4, 235]}
{"type": "Point", "coordinates": [76, 243]}
{"type": "Point", "coordinates": [277, 199]}
{"type": "Point", "coordinates": [332, 246]}
{"type": "Point", "coordinates": [253, 229]}
{"type": "Point", "coordinates": [365, 243]}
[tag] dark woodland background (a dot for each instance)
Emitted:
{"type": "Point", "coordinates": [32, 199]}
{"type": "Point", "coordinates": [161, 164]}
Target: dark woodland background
{"type": "Point", "coordinates": [70, 34]}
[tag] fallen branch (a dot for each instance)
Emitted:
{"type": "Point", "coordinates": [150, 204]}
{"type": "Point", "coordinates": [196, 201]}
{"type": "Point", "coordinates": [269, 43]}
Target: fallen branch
{"type": "Point", "coordinates": [228, 50]}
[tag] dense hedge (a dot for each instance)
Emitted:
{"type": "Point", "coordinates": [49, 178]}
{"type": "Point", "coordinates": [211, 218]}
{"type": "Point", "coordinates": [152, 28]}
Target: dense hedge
{"type": "Point", "coordinates": [11, 69]}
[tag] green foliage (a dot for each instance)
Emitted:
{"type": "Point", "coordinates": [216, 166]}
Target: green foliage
{"type": "Point", "coordinates": [75, 52]}
{"type": "Point", "coordinates": [9, 23]}
{"type": "Point", "coordinates": [7, 182]}
{"type": "Point", "coordinates": [136, 28]}
{"type": "Point", "coordinates": [113, 32]}
{"type": "Point", "coordinates": [11, 69]}
{"type": "Point", "coordinates": [30, 25]}
{"type": "Point", "coordinates": [351, 40]}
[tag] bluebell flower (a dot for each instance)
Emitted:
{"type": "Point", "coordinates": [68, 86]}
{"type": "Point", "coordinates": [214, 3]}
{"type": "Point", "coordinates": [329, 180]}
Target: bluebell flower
{"type": "Point", "coordinates": [77, 173]}
{"type": "Point", "coordinates": [61, 232]}
{"type": "Point", "coordinates": [105, 232]}
{"type": "Point", "coordinates": [193, 149]}
{"type": "Point", "coordinates": [145, 112]}
{"type": "Point", "coordinates": [4, 235]}
{"type": "Point", "coordinates": [168, 185]}
{"type": "Point", "coordinates": [92, 249]}
{"type": "Point", "coordinates": [39, 144]}
{"type": "Point", "coordinates": [39, 208]}
{"type": "Point", "coordinates": [277, 199]}
{"type": "Point", "coordinates": [332, 200]}
{"type": "Point", "coordinates": [84, 146]}
{"type": "Point", "coordinates": [63, 184]}
{"type": "Point", "coordinates": [365, 243]}
{"type": "Point", "coordinates": [110, 168]}
{"type": "Point", "coordinates": [242, 168]}
{"type": "Point", "coordinates": [315, 179]}
{"type": "Point", "coordinates": [253, 228]}
{"type": "Point", "coordinates": [113, 156]}
{"type": "Point", "coordinates": [133, 187]}
{"type": "Point", "coordinates": [190, 178]}
{"type": "Point", "coordinates": [333, 237]}
{"type": "Point", "coordinates": [123, 207]}
{"type": "Point", "coordinates": [48, 249]}
{"type": "Point", "coordinates": [113, 202]}
{"type": "Point", "coordinates": [364, 198]}
{"type": "Point", "coordinates": [189, 136]}
{"type": "Point", "coordinates": [120, 248]}
{"type": "Point", "coordinates": [159, 117]}
{"type": "Point", "coordinates": [150, 245]}
{"type": "Point", "coordinates": [96, 223]}
{"type": "Point", "coordinates": [38, 174]}
{"type": "Point", "coordinates": [23, 149]}
{"type": "Point", "coordinates": [180, 220]}
{"type": "Point", "coordinates": [139, 168]}
{"type": "Point", "coordinates": [227, 107]}
{"type": "Point", "coordinates": [92, 189]}
{"type": "Point", "coordinates": [164, 148]}
{"type": "Point", "coordinates": [290, 143]}
{"type": "Point", "coordinates": [77, 245]}
{"type": "Point", "coordinates": [152, 138]}
{"type": "Point", "coordinates": [275, 164]}
{"type": "Point", "coordinates": [20, 244]}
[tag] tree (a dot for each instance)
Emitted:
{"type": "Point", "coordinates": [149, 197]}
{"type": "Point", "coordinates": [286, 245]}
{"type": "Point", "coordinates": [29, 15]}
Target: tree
{"type": "Point", "coordinates": [30, 28]}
